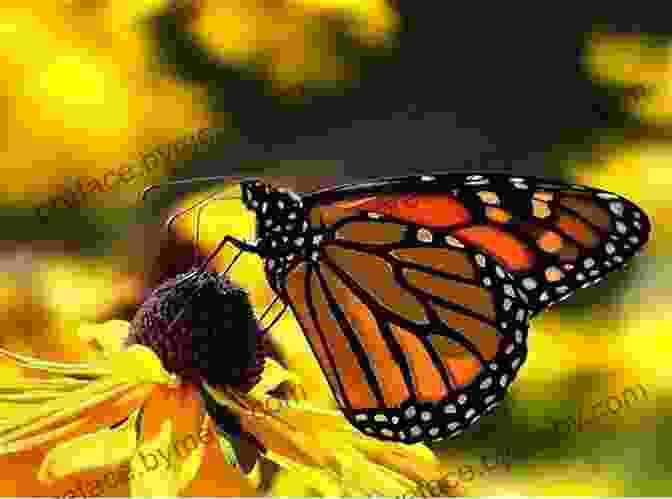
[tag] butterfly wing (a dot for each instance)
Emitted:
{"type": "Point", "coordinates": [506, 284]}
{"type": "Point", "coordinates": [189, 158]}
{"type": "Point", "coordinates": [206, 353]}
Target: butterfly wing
{"type": "Point", "coordinates": [554, 238]}
{"type": "Point", "coordinates": [417, 303]}
{"type": "Point", "coordinates": [413, 351]}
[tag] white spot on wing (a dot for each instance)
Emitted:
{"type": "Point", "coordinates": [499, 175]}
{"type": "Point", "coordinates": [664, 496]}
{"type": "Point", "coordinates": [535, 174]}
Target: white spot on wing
{"type": "Point", "coordinates": [616, 208]}
{"type": "Point", "coordinates": [529, 283]}
{"type": "Point", "coordinates": [425, 236]}
{"type": "Point", "coordinates": [454, 242]}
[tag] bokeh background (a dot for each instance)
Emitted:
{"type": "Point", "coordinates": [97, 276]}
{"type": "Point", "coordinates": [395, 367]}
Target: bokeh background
{"type": "Point", "coordinates": [348, 89]}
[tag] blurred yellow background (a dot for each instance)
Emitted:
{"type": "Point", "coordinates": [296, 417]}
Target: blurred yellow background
{"type": "Point", "coordinates": [89, 86]}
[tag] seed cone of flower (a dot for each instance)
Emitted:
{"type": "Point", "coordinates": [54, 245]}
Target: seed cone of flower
{"type": "Point", "coordinates": [203, 328]}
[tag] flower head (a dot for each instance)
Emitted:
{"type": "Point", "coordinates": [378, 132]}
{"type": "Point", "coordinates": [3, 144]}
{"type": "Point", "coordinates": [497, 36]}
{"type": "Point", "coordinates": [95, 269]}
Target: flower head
{"type": "Point", "coordinates": [203, 328]}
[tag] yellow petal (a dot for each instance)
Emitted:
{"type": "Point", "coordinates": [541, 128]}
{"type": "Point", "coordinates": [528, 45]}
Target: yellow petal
{"type": "Point", "coordinates": [231, 452]}
{"type": "Point", "coordinates": [289, 484]}
{"type": "Point", "coordinates": [34, 397]}
{"type": "Point", "coordinates": [283, 434]}
{"type": "Point", "coordinates": [319, 446]}
{"type": "Point", "coordinates": [56, 411]}
{"type": "Point", "coordinates": [135, 366]}
{"type": "Point", "coordinates": [23, 443]}
{"type": "Point", "coordinates": [153, 471]}
{"type": "Point", "coordinates": [324, 446]}
{"type": "Point", "coordinates": [182, 407]}
{"type": "Point", "coordinates": [415, 462]}
{"type": "Point", "coordinates": [24, 385]}
{"type": "Point", "coordinates": [215, 477]}
{"type": "Point", "coordinates": [104, 448]}
{"type": "Point", "coordinates": [110, 410]}
{"type": "Point", "coordinates": [189, 467]}
{"type": "Point", "coordinates": [311, 478]}
{"type": "Point", "coordinates": [124, 372]}
{"type": "Point", "coordinates": [56, 368]}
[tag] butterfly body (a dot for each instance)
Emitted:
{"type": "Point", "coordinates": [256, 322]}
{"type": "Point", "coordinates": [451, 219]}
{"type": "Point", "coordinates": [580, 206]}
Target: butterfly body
{"type": "Point", "coordinates": [415, 292]}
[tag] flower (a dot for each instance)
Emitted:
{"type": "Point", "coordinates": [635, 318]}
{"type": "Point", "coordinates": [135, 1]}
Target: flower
{"type": "Point", "coordinates": [632, 60]}
{"type": "Point", "coordinates": [291, 38]}
{"type": "Point", "coordinates": [161, 397]}
{"type": "Point", "coordinates": [101, 62]}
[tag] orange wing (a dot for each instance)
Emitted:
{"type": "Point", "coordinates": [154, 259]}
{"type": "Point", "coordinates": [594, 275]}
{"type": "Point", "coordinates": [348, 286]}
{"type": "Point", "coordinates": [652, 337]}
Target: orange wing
{"type": "Point", "coordinates": [417, 299]}
{"type": "Point", "coordinates": [552, 237]}
{"type": "Point", "coordinates": [416, 341]}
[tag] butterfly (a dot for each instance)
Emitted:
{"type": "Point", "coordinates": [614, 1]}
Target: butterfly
{"type": "Point", "coordinates": [415, 293]}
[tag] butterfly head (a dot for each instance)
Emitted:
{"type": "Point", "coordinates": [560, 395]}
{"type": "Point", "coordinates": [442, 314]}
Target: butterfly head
{"type": "Point", "coordinates": [281, 217]}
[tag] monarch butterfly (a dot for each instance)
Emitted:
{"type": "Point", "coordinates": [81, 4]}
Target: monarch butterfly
{"type": "Point", "coordinates": [415, 292]}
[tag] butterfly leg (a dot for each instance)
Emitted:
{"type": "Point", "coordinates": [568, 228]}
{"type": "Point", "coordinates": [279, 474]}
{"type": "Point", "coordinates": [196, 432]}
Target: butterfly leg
{"type": "Point", "coordinates": [241, 245]}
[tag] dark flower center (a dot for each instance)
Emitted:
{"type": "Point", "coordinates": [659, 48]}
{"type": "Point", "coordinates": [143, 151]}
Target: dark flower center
{"type": "Point", "coordinates": [202, 327]}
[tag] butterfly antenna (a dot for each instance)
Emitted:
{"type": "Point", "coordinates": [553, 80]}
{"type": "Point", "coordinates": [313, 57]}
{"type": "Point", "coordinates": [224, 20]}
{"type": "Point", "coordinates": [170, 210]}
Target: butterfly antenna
{"type": "Point", "coordinates": [171, 221]}
{"type": "Point", "coordinates": [197, 225]}
{"type": "Point", "coordinates": [197, 233]}
{"type": "Point", "coordinates": [218, 178]}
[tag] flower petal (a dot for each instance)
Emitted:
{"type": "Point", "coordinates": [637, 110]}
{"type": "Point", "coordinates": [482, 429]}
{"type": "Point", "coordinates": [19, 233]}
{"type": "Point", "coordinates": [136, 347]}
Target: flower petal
{"type": "Point", "coordinates": [299, 446]}
{"type": "Point", "coordinates": [310, 477]}
{"type": "Point", "coordinates": [159, 479]}
{"type": "Point", "coordinates": [108, 412]}
{"type": "Point", "coordinates": [21, 385]}
{"type": "Point", "coordinates": [137, 363]}
{"type": "Point", "coordinates": [323, 447]}
{"type": "Point", "coordinates": [179, 403]}
{"type": "Point", "coordinates": [188, 469]}
{"type": "Point", "coordinates": [60, 411]}
{"type": "Point", "coordinates": [215, 477]}
{"type": "Point", "coordinates": [104, 448]}
{"type": "Point", "coordinates": [182, 407]}
{"type": "Point", "coordinates": [118, 383]}
{"type": "Point", "coordinates": [86, 369]}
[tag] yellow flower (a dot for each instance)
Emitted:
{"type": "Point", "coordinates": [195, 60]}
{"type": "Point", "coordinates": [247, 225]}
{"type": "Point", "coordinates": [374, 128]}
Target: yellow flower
{"type": "Point", "coordinates": [66, 63]}
{"type": "Point", "coordinates": [176, 430]}
{"type": "Point", "coordinates": [289, 35]}
{"type": "Point", "coordinates": [627, 60]}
